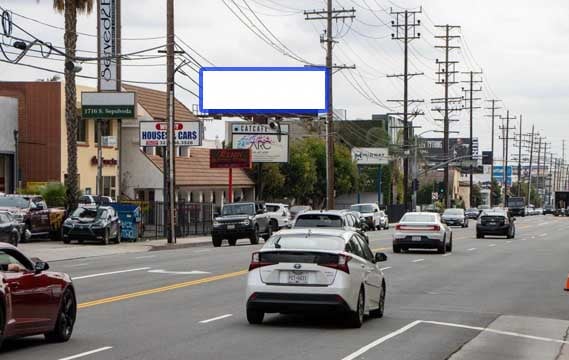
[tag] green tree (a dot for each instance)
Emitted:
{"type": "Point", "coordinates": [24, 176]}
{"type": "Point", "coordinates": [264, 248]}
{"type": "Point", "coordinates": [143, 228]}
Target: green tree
{"type": "Point", "coordinates": [345, 170]}
{"type": "Point", "coordinates": [536, 198]}
{"type": "Point", "coordinates": [300, 174]}
{"type": "Point", "coordinates": [270, 181]}
{"type": "Point", "coordinates": [424, 195]}
{"type": "Point", "coordinates": [476, 196]}
{"type": "Point", "coordinates": [496, 194]}
{"type": "Point", "coordinates": [70, 8]}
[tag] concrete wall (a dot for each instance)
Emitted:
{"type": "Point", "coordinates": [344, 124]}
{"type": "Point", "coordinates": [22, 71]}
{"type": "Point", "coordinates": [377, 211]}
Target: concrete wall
{"type": "Point", "coordinates": [8, 123]}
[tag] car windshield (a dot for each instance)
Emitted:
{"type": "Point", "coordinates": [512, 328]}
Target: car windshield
{"type": "Point", "coordinates": [273, 208]}
{"type": "Point", "coordinates": [316, 242]}
{"type": "Point", "coordinates": [238, 209]}
{"type": "Point", "coordinates": [516, 202]}
{"type": "Point", "coordinates": [89, 213]}
{"type": "Point", "coordinates": [453, 212]}
{"type": "Point", "coordinates": [362, 208]}
{"type": "Point", "coordinates": [472, 210]}
{"type": "Point", "coordinates": [5, 218]}
{"type": "Point", "coordinates": [14, 201]}
{"type": "Point", "coordinates": [318, 220]}
{"type": "Point", "coordinates": [418, 218]}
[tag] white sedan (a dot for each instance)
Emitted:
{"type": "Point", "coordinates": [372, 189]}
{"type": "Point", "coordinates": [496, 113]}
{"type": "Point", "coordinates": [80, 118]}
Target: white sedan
{"type": "Point", "coordinates": [316, 270]}
{"type": "Point", "coordinates": [418, 230]}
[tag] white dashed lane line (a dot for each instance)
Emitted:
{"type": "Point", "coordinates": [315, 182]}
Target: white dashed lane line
{"type": "Point", "coordinates": [87, 353]}
{"type": "Point", "coordinates": [417, 260]}
{"type": "Point", "coordinates": [447, 254]}
{"type": "Point", "coordinates": [215, 318]}
{"type": "Point", "coordinates": [471, 249]}
{"type": "Point", "coordinates": [108, 273]}
{"type": "Point", "coordinates": [492, 245]}
{"type": "Point", "coordinates": [385, 268]}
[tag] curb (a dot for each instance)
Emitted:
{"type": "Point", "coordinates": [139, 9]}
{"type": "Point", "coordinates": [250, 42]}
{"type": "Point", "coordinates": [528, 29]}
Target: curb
{"type": "Point", "coordinates": [179, 246]}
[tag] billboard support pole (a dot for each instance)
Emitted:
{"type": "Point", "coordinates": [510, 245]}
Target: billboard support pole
{"type": "Point", "coordinates": [359, 190]}
{"type": "Point", "coordinates": [230, 190]}
{"type": "Point", "coordinates": [379, 185]}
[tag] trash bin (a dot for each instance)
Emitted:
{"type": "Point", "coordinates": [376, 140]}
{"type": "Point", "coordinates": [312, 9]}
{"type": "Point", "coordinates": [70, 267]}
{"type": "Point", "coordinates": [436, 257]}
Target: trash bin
{"type": "Point", "coordinates": [131, 220]}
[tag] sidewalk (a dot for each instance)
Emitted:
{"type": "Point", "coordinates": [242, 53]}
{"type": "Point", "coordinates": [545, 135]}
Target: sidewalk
{"type": "Point", "coordinates": [57, 251]}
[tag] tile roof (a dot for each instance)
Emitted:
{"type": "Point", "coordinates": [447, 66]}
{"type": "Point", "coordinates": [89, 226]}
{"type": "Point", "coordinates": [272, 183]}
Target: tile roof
{"type": "Point", "coordinates": [154, 102]}
{"type": "Point", "coordinates": [194, 171]}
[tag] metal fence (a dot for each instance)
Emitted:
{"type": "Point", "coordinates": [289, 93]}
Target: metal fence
{"type": "Point", "coordinates": [191, 219]}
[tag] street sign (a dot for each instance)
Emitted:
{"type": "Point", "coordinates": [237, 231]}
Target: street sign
{"type": "Point", "coordinates": [263, 90]}
{"type": "Point", "coordinates": [107, 47]}
{"type": "Point", "coordinates": [434, 196]}
{"type": "Point", "coordinates": [108, 105]}
{"type": "Point", "coordinates": [370, 156]}
{"type": "Point", "coordinates": [186, 133]}
{"type": "Point", "coordinates": [266, 143]}
{"type": "Point", "coordinates": [230, 158]}
{"type": "Point", "coordinates": [109, 140]}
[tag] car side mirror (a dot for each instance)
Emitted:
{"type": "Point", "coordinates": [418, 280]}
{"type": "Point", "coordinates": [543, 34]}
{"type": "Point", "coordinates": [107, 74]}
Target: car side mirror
{"type": "Point", "coordinates": [260, 211]}
{"type": "Point", "coordinates": [380, 257]}
{"type": "Point", "coordinates": [40, 266]}
{"type": "Point", "coordinates": [375, 210]}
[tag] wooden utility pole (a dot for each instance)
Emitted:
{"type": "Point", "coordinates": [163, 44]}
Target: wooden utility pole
{"type": "Point", "coordinates": [470, 100]}
{"type": "Point", "coordinates": [446, 70]}
{"type": "Point", "coordinates": [493, 115]}
{"type": "Point", "coordinates": [530, 163]}
{"type": "Point", "coordinates": [405, 25]}
{"type": "Point", "coordinates": [330, 14]}
{"type": "Point", "coordinates": [170, 151]}
{"type": "Point", "coordinates": [506, 139]}
{"type": "Point", "coordinates": [520, 159]}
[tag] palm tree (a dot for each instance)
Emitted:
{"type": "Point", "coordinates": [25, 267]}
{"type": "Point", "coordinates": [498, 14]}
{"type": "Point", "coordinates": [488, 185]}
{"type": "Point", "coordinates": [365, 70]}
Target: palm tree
{"type": "Point", "coordinates": [70, 8]}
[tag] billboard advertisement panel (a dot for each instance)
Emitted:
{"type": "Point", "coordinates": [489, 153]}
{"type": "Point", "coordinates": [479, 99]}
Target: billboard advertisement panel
{"type": "Point", "coordinates": [370, 156]}
{"type": "Point", "coordinates": [268, 144]}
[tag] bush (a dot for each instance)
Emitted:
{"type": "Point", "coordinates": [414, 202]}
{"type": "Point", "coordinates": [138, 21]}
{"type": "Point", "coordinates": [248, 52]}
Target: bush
{"type": "Point", "coordinates": [53, 194]}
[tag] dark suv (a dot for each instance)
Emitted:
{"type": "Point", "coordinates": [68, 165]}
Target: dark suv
{"type": "Point", "coordinates": [241, 220]}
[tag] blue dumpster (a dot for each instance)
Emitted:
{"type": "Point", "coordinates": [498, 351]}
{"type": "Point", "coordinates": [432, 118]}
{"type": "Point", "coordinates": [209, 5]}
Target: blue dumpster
{"type": "Point", "coordinates": [131, 220]}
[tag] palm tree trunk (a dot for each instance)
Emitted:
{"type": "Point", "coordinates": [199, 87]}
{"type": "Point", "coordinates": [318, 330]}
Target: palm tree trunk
{"type": "Point", "coordinates": [70, 39]}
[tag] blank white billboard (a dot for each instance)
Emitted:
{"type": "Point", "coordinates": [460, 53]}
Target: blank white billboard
{"type": "Point", "coordinates": [293, 90]}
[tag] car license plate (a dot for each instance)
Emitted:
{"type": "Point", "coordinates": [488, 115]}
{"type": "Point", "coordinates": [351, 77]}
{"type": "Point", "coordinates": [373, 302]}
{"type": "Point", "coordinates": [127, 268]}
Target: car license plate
{"type": "Point", "coordinates": [230, 227]}
{"type": "Point", "coordinates": [415, 238]}
{"type": "Point", "coordinates": [298, 278]}
{"type": "Point", "coordinates": [492, 223]}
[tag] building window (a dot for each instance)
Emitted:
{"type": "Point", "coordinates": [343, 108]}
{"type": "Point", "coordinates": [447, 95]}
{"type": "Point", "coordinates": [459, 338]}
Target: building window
{"type": "Point", "coordinates": [106, 129]}
{"type": "Point", "coordinates": [81, 130]}
{"type": "Point", "coordinates": [109, 186]}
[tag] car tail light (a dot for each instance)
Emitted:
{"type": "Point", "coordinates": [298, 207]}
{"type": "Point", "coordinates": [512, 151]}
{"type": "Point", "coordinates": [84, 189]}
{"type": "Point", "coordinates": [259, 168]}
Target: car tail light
{"type": "Point", "coordinates": [397, 227]}
{"type": "Point", "coordinates": [436, 228]}
{"type": "Point", "coordinates": [418, 227]}
{"type": "Point", "coordinates": [341, 265]}
{"type": "Point", "coordinates": [256, 261]}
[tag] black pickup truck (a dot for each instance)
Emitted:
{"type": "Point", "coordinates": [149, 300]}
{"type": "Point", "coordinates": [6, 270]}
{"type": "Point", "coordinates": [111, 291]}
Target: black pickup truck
{"type": "Point", "coordinates": [516, 206]}
{"type": "Point", "coordinates": [241, 220]}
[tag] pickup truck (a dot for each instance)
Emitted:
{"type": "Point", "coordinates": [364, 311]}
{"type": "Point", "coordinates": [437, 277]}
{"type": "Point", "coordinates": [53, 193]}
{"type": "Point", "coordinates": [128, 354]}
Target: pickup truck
{"type": "Point", "coordinates": [32, 211]}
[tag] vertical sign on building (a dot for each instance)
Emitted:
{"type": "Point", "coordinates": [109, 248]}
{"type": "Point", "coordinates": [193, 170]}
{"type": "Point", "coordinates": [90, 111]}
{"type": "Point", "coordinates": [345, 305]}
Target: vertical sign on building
{"type": "Point", "coordinates": [107, 64]}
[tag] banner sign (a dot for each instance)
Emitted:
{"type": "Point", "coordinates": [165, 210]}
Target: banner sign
{"type": "Point", "coordinates": [107, 64]}
{"type": "Point", "coordinates": [266, 143]}
{"type": "Point", "coordinates": [230, 158]}
{"type": "Point", "coordinates": [263, 90]}
{"type": "Point", "coordinates": [186, 133]}
{"type": "Point", "coordinates": [370, 156]}
{"type": "Point", "coordinates": [108, 105]}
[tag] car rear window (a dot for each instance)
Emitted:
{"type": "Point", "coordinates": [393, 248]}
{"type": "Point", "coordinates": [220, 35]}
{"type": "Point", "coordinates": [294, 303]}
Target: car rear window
{"type": "Point", "coordinates": [272, 208]}
{"type": "Point", "coordinates": [418, 218]}
{"type": "Point", "coordinates": [453, 212]}
{"type": "Point", "coordinates": [318, 220]}
{"type": "Point", "coordinates": [362, 208]}
{"type": "Point", "coordinates": [304, 242]}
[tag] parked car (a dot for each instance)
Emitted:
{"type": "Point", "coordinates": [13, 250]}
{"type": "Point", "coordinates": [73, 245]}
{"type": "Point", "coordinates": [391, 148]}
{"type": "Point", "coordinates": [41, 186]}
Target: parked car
{"type": "Point", "coordinates": [279, 215]}
{"type": "Point", "coordinates": [32, 210]}
{"type": "Point", "coordinates": [96, 223]}
{"type": "Point", "coordinates": [472, 213]}
{"type": "Point", "coordinates": [10, 229]}
{"type": "Point", "coordinates": [95, 200]}
{"type": "Point", "coordinates": [548, 209]}
{"type": "Point", "coordinates": [495, 222]}
{"type": "Point", "coordinates": [370, 212]}
{"type": "Point", "coordinates": [383, 220]}
{"type": "Point", "coordinates": [241, 220]}
{"type": "Point", "coordinates": [298, 209]}
{"type": "Point", "coordinates": [33, 300]}
{"type": "Point", "coordinates": [422, 230]}
{"type": "Point", "coordinates": [335, 219]}
{"type": "Point", "coordinates": [539, 211]}
{"type": "Point", "coordinates": [316, 270]}
{"type": "Point", "coordinates": [455, 217]}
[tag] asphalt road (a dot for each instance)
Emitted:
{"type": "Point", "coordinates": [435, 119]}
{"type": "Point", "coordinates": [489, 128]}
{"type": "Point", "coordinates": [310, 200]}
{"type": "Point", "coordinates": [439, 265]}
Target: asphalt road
{"type": "Point", "coordinates": [490, 299]}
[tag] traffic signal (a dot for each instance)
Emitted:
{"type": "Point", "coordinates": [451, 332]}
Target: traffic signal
{"type": "Point", "coordinates": [487, 158]}
{"type": "Point", "coordinates": [415, 184]}
{"type": "Point", "coordinates": [441, 187]}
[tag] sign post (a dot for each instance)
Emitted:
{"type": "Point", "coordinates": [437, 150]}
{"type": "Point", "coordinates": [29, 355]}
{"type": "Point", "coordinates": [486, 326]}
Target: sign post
{"type": "Point", "coordinates": [230, 159]}
{"type": "Point", "coordinates": [371, 156]}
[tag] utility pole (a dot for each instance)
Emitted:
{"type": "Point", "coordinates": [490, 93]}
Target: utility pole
{"type": "Point", "coordinates": [550, 184]}
{"type": "Point", "coordinates": [470, 99]}
{"type": "Point", "coordinates": [405, 25]}
{"type": "Point", "coordinates": [530, 163]}
{"type": "Point", "coordinates": [505, 140]}
{"type": "Point", "coordinates": [542, 192]}
{"type": "Point", "coordinates": [446, 69]}
{"type": "Point", "coordinates": [538, 165]}
{"type": "Point", "coordinates": [520, 159]}
{"type": "Point", "coordinates": [563, 184]}
{"type": "Point", "coordinates": [170, 151]}
{"type": "Point", "coordinates": [330, 14]}
{"type": "Point", "coordinates": [493, 115]}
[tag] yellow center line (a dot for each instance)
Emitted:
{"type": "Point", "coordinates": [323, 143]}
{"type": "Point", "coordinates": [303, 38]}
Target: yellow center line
{"type": "Point", "coordinates": [379, 249]}
{"type": "Point", "coordinates": [160, 289]}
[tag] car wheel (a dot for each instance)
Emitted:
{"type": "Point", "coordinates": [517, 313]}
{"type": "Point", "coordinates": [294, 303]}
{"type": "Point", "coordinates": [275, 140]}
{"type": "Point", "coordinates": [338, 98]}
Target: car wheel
{"type": "Point", "coordinates": [2, 310]}
{"type": "Point", "coordinates": [255, 236]}
{"type": "Point", "coordinates": [479, 235]}
{"type": "Point", "coordinates": [106, 236]}
{"type": "Point", "coordinates": [255, 317]}
{"type": "Point", "coordinates": [449, 245]}
{"type": "Point", "coordinates": [119, 236]}
{"type": "Point", "coordinates": [396, 249]}
{"type": "Point", "coordinates": [269, 233]}
{"type": "Point", "coordinates": [65, 319]}
{"type": "Point", "coordinates": [15, 239]}
{"type": "Point", "coordinates": [232, 241]}
{"type": "Point", "coordinates": [216, 241]}
{"type": "Point", "coordinates": [274, 224]}
{"type": "Point", "coordinates": [442, 248]}
{"type": "Point", "coordinates": [356, 318]}
{"type": "Point", "coordinates": [378, 313]}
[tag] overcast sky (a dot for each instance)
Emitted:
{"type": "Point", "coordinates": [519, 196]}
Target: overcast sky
{"type": "Point", "coordinates": [522, 47]}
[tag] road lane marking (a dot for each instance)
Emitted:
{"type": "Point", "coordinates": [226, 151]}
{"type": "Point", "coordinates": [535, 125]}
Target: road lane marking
{"type": "Point", "coordinates": [87, 353]}
{"type": "Point", "coordinates": [471, 249]}
{"type": "Point", "coordinates": [379, 249]}
{"type": "Point", "coordinates": [202, 251]}
{"type": "Point", "coordinates": [145, 257]}
{"type": "Point", "coordinates": [193, 272]}
{"type": "Point", "coordinates": [418, 260]}
{"type": "Point", "coordinates": [447, 254]}
{"type": "Point", "coordinates": [385, 268]}
{"type": "Point", "coordinates": [509, 333]}
{"type": "Point", "coordinates": [543, 235]}
{"type": "Point", "coordinates": [492, 245]}
{"type": "Point", "coordinates": [77, 265]}
{"type": "Point", "coordinates": [108, 273]}
{"type": "Point", "coordinates": [161, 289]}
{"type": "Point", "coordinates": [215, 318]}
{"type": "Point", "coordinates": [381, 340]}
{"type": "Point", "coordinates": [509, 241]}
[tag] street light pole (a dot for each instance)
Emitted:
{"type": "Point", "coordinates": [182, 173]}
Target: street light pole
{"type": "Point", "coordinates": [415, 172]}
